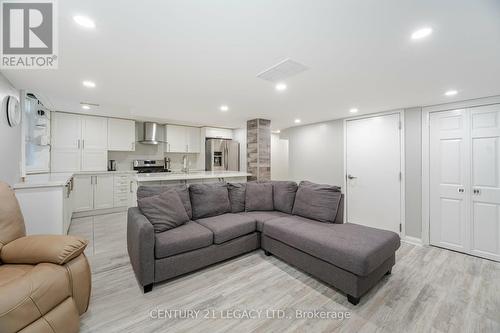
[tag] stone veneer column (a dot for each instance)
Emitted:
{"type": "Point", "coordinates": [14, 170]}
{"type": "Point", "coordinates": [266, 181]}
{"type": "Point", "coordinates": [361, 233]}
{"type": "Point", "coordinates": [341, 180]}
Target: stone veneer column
{"type": "Point", "coordinates": [259, 149]}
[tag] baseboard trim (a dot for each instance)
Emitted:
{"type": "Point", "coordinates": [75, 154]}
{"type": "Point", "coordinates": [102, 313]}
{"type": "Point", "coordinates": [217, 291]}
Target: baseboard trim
{"type": "Point", "coordinates": [412, 240]}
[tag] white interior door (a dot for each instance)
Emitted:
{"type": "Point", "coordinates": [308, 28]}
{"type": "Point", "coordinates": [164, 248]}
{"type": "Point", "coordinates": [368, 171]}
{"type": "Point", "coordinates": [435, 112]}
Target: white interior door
{"type": "Point", "coordinates": [485, 215]}
{"type": "Point", "coordinates": [373, 170]}
{"type": "Point", "coordinates": [448, 183]}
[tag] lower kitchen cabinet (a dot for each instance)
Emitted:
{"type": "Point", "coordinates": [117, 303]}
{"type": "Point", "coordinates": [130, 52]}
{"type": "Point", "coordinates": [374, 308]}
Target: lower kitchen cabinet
{"type": "Point", "coordinates": [83, 193]}
{"type": "Point", "coordinates": [101, 191]}
{"type": "Point", "coordinates": [46, 209]}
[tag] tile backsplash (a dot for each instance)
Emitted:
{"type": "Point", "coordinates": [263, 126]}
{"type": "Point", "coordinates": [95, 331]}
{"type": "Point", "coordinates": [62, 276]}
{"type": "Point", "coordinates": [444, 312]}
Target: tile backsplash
{"type": "Point", "coordinates": [124, 159]}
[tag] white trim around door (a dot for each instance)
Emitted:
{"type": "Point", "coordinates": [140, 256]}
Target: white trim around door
{"type": "Point", "coordinates": [402, 229]}
{"type": "Point", "coordinates": [425, 151]}
{"type": "Point", "coordinates": [474, 218]}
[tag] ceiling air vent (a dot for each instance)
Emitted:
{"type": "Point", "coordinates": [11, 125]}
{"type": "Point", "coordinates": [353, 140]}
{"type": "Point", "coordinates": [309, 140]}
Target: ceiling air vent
{"type": "Point", "coordinates": [282, 71]}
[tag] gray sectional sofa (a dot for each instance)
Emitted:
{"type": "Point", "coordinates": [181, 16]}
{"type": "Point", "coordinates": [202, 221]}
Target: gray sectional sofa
{"type": "Point", "coordinates": [189, 228]}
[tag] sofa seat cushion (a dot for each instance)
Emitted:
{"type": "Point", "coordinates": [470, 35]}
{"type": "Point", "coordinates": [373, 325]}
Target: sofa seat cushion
{"type": "Point", "coordinates": [262, 216]}
{"type": "Point", "coordinates": [352, 247]}
{"type": "Point", "coordinates": [228, 226]}
{"type": "Point", "coordinates": [188, 237]}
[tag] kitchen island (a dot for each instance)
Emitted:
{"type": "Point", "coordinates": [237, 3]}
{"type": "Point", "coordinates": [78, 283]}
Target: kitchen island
{"type": "Point", "coordinates": [192, 177]}
{"type": "Point", "coordinates": [161, 178]}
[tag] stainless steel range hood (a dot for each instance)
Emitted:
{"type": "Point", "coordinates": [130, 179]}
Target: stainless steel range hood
{"type": "Point", "coordinates": [150, 135]}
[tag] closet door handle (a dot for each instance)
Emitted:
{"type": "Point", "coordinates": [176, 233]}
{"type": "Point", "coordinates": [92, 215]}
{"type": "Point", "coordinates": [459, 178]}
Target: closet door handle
{"type": "Point", "coordinates": [462, 190]}
{"type": "Point", "coordinates": [477, 191]}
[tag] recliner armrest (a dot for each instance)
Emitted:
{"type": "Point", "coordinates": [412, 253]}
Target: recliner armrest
{"type": "Point", "coordinates": [35, 249]}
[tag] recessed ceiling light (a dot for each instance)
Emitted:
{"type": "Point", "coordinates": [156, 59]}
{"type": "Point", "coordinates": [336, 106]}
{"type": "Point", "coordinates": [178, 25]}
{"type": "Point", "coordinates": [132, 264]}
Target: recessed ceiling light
{"type": "Point", "coordinates": [353, 110]}
{"type": "Point", "coordinates": [89, 84]}
{"type": "Point", "coordinates": [86, 107]}
{"type": "Point", "coordinates": [84, 21]}
{"type": "Point", "coordinates": [281, 87]}
{"type": "Point", "coordinates": [421, 33]}
{"type": "Point", "coordinates": [451, 93]}
{"type": "Point", "coordinates": [297, 121]}
{"type": "Point", "coordinates": [224, 108]}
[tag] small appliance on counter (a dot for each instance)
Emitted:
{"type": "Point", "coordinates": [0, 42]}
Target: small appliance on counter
{"type": "Point", "coordinates": [151, 166]}
{"type": "Point", "coordinates": [112, 165]}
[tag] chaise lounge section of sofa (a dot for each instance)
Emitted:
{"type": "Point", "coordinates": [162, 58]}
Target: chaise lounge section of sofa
{"type": "Point", "coordinates": [302, 225]}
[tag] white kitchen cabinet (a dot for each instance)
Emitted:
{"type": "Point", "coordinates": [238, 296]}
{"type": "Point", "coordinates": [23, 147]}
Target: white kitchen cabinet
{"type": "Point", "coordinates": [193, 139]}
{"type": "Point", "coordinates": [46, 209]}
{"type": "Point", "coordinates": [123, 190]}
{"type": "Point", "coordinates": [182, 139]}
{"type": "Point", "coordinates": [218, 133]}
{"type": "Point", "coordinates": [121, 135]}
{"type": "Point", "coordinates": [66, 138]}
{"type": "Point", "coordinates": [176, 139]}
{"type": "Point", "coordinates": [103, 191]}
{"type": "Point", "coordinates": [83, 193]}
{"type": "Point", "coordinates": [94, 133]}
{"type": "Point", "coordinates": [79, 143]}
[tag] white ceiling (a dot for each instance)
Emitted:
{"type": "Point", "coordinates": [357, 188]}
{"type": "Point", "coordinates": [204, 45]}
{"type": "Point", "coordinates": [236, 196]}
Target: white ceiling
{"type": "Point", "coordinates": [180, 60]}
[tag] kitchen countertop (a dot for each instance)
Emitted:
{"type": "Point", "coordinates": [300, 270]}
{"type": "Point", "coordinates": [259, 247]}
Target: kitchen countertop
{"type": "Point", "coordinates": [58, 179]}
{"type": "Point", "coordinates": [45, 180]}
{"type": "Point", "coordinates": [149, 177]}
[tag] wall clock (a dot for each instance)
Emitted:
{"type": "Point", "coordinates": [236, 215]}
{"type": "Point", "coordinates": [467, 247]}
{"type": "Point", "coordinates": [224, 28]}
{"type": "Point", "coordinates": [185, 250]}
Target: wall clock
{"type": "Point", "coordinates": [13, 111]}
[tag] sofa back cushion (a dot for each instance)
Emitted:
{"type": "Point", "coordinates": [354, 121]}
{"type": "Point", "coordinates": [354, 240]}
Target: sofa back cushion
{"type": "Point", "coordinates": [165, 211]}
{"type": "Point", "coordinates": [183, 191]}
{"type": "Point", "coordinates": [284, 195]}
{"type": "Point", "coordinates": [209, 200]}
{"type": "Point", "coordinates": [317, 201]}
{"type": "Point", "coordinates": [237, 192]}
{"type": "Point", "coordinates": [259, 196]}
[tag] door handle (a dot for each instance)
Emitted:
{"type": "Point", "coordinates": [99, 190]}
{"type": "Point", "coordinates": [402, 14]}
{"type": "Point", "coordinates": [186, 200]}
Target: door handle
{"type": "Point", "coordinates": [351, 177]}
{"type": "Point", "coordinates": [477, 191]}
{"type": "Point", "coordinates": [462, 190]}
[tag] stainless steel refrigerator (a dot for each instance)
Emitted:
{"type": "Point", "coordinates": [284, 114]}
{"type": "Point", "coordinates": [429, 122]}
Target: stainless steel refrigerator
{"type": "Point", "coordinates": [222, 155]}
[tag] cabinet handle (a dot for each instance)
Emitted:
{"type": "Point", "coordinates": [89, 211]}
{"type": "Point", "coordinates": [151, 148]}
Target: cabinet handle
{"type": "Point", "coordinates": [461, 190]}
{"type": "Point", "coordinates": [477, 191]}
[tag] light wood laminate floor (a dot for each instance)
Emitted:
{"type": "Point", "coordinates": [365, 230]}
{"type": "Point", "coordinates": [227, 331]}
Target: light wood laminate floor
{"type": "Point", "coordinates": [430, 290]}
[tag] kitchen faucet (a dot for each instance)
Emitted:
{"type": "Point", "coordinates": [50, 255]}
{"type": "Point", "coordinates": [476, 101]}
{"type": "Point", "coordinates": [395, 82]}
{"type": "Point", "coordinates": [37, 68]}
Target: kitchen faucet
{"type": "Point", "coordinates": [185, 164]}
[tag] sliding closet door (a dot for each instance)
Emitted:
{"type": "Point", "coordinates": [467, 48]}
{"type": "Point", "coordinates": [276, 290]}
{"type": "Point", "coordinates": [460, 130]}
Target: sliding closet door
{"type": "Point", "coordinates": [485, 226]}
{"type": "Point", "coordinates": [448, 179]}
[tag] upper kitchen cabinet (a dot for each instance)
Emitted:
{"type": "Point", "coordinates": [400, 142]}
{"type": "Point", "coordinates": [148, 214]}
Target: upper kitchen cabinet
{"type": "Point", "coordinates": [121, 134]}
{"type": "Point", "coordinates": [182, 139]}
{"type": "Point", "coordinates": [193, 139]}
{"type": "Point", "coordinates": [218, 133]}
{"type": "Point", "coordinates": [79, 143]}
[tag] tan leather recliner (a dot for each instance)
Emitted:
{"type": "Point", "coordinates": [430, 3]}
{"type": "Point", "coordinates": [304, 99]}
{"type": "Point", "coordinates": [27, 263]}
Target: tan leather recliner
{"type": "Point", "coordinates": [45, 280]}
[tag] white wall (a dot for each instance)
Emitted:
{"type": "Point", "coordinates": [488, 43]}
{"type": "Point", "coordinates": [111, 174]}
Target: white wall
{"type": "Point", "coordinates": [279, 158]}
{"type": "Point", "coordinates": [10, 139]}
{"type": "Point", "coordinates": [316, 152]}
{"type": "Point", "coordinates": [413, 172]}
{"type": "Point", "coordinates": [240, 135]}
